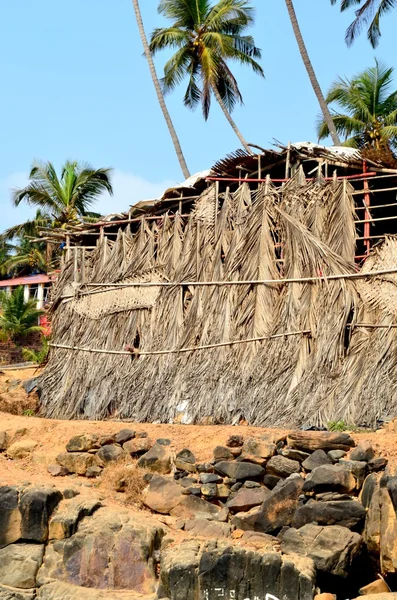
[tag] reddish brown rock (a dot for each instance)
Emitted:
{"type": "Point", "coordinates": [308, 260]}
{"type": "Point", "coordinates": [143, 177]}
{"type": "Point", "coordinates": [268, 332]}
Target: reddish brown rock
{"type": "Point", "coordinates": [308, 441]}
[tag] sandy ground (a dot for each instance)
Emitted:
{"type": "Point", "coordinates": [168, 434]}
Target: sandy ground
{"type": "Point", "coordinates": [52, 437]}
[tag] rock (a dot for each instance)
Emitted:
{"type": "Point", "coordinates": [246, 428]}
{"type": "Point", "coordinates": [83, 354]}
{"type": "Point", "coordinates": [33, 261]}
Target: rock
{"type": "Point", "coordinates": [329, 478]}
{"type": "Point", "coordinates": [162, 495]}
{"type": "Point", "coordinates": [10, 517]}
{"type": "Point", "coordinates": [370, 498]}
{"type": "Point", "coordinates": [70, 493]}
{"type": "Point", "coordinates": [325, 596]}
{"type": "Point", "coordinates": [64, 522]}
{"type": "Point", "coordinates": [82, 443]}
{"type": "Point", "coordinates": [163, 442]}
{"type": "Point", "coordinates": [124, 435]}
{"type": "Point", "coordinates": [112, 550]}
{"type": "Point", "coordinates": [235, 441]}
{"type": "Point", "coordinates": [375, 587]}
{"type": "Point", "coordinates": [329, 496]}
{"type": "Point", "coordinates": [246, 520]}
{"type": "Point", "coordinates": [205, 468]}
{"type": "Point", "coordinates": [252, 458]}
{"type": "Point", "coordinates": [392, 489]}
{"type": "Point", "coordinates": [77, 462]}
{"type": "Point", "coordinates": [7, 593]}
{"type": "Point", "coordinates": [192, 507]}
{"type": "Point", "coordinates": [251, 484]}
{"type": "Point", "coordinates": [294, 454]}
{"type": "Point", "coordinates": [187, 481]}
{"type": "Point", "coordinates": [236, 486]}
{"type": "Point", "coordinates": [157, 459]}
{"type": "Point", "coordinates": [185, 461]}
{"type": "Point", "coordinates": [57, 471]}
{"type": "Point", "coordinates": [57, 590]}
{"type": "Point", "coordinates": [36, 506]}
{"type": "Point", "coordinates": [235, 451]}
{"type": "Point", "coordinates": [245, 499]}
{"type": "Point", "coordinates": [209, 490]}
{"type": "Point", "coordinates": [19, 564]}
{"type": "Point", "coordinates": [93, 471]}
{"type": "Point", "coordinates": [239, 470]}
{"type": "Point", "coordinates": [335, 455]}
{"type": "Point", "coordinates": [222, 453]}
{"type": "Point", "coordinates": [388, 525]}
{"type": "Point", "coordinates": [279, 507]}
{"type": "Point", "coordinates": [363, 452]}
{"type": "Point", "coordinates": [204, 528]}
{"type": "Point", "coordinates": [110, 454]}
{"type": "Point", "coordinates": [318, 458]}
{"type": "Point", "coordinates": [210, 478]}
{"type": "Point", "coordinates": [368, 488]}
{"type": "Point", "coordinates": [358, 468]}
{"type": "Point", "coordinates": [21, 449]}
{"type": "Point", "coordinates": [346, 513]}
{"type": "Point", "coordinates": [138, 445]}
{"type": "Point", "coordinates": [261, 448]}
{"type": "Point", "coordinates": [270, 481]}
{"type": "Point", "coordinates": [377, 464]}
{"type": "Point", "coordinates": [106, 440]}
{"type": "Point", "coordinates": [261, 541]}
{"type": "Point", "coordinates": [222, 491]}
{"type": "Point", "coordinates": [308, 441]}
{"type": "Point", "coordinates": [194, 489]}
{"type": "Point", "coordinates": [192, 568]}
{"type": "Point", "coordinates": [3, 441]}
{"type": "Point", "coordinates": [333, 549]}
{"type": "Point", "coordinates": [282, 467]}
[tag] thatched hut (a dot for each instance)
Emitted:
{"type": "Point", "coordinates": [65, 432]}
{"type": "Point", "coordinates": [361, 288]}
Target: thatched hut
{"type": "Point", "coordinates": [264, 292]}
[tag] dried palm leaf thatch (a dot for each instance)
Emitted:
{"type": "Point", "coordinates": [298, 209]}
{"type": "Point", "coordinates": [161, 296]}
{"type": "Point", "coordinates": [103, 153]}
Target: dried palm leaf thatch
{"type": "Point", "coordinates": [305, 229]}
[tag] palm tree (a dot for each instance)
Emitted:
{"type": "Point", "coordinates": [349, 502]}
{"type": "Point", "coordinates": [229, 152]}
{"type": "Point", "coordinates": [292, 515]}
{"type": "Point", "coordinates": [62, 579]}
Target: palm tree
{"type": "Point", "coordinates": [66, 199]}
{"type": "Point", "coordinates": [157, 87]}
{"type": "Point", "coordinates": [312, 75]}
{"type": "Point", "coordinates": [368, 15]}
{"type": "Point", "coordinates": [369, 119]}
{"type": "Point", "coordinates": [206, 38]}
{"type": "Point", "coordinates": [26, 257]}
{"type": "Point", "coordinates": [5, 250]}
{"type": "Point", "coordinates": [18, 318]}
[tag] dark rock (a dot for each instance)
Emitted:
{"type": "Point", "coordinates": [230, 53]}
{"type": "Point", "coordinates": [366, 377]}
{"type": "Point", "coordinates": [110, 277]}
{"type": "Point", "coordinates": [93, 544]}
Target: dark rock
{"type": "Point", "coordinates": [329, 478]}
{"type": "Point", "coordinates": [187, 481]}
{"type": "Point", "coordinates": [363, 451]}
{"type": "Point", "coordinates": [57, 471]}
{"type": "Point", "coordinates": [368, 489]}
{"type": "Point", "coordinates": [185, 461]}
{"type": "Point", "coordinates": [392, 489]}
{"type": "Point", "coordinates": [209, 489]}
{"type": "Point", "coordinates": [333, 549]}
{"type": "Point", "coordinates": [93, 471]}
{"type": "Point", "coordinates": [308, 441]}
{"type": "Point", "coordinates": [239, 470]}
{"type": "Point", "coordinates": [261, 448]}
{"type": "Point", "coordinates": [294, 454]}
{"type": "Point", "coordinates": [236, 486]}
{"type": "Point", "coordinates": [316, 459]}
{"type": "Point", "coordinates": [162, 495]}
{"type": "Point", "coordinates": [138, 445]}
{"type": "Point", "coordinates": [30, 385]}
{"type": "Point", "coordinates": [111, 454]}
{"type": "Point", "coordinates": [222, 453]}
{"type": "Point", "coordinates": [270, 481]}
{"type": "Point", "coordinates": [335, 455]}
{"type": "Point", "coordinates": [279, 507]}
{"type": "Point", "coordinates": [10, 517]}
{"type": "Point", "coordinates": [358, 468]}
{"type": "Point", "coordinates": [210, 478]}
{"type": "Point", "coordinates": [158, 459]}
{"type": "Point", "coordinates": [194, 489]}
{"type": "Point", "coordinates": [164, 442]}
{"type": "Point", "coordinates": [377, 464]}
{"type": "Point", "coordinates": [36, 506]}
{"type": "Point", "coordinates": [344, 513]}
{"type": "Point", "coordinates": [124, 435]}
{"type": "Point", "coordinates": [205, 468]}
{"type": "Point", "coordinates": [178, 475]}
{"type": "Point", "coordinates": [235, 441]}
{"type": "Point", "coordinates": [82, 443]}
{"type": "Point", "coordinates": [69, 493]}
{"type": "Point", "coordinates": [282, 467]}
{"type": "Point", "coordinates": [245, 499]}
{"type": "Point", "coordinates": [106, 440]}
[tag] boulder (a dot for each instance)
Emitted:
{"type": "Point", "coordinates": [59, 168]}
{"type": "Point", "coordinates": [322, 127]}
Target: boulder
{"type": "Point", "coordinates": [308, 441]}
{"type": "Point", "coordinates": [222, 491]}
{"type": "Point", "coordinates": [192, 507]}
{"type": "Point", "coordinates": [210, 529]}
{"type": "Point", "coordinates": [106, 440]}
{"type": "Point", "coordinates": [329, 478]}
{"type": "Point", "coordinates": [388, 526]}
{"type": "Point", "coordinates": [19, 564]}
{"type": "Point", "coordinates": [333, 549]}
{"type": "Point", "coordinates": [368, 488]}
{"type": "Point", "coordinates": [377, 464]}
{"type": "Point", "coordinates": [77, 462]}
{"type": "Point", "coordinates": [245, 499]}
{"type": "Point", "coordinates": [329, 496]}
{"type": "Point", "coordinates": [261, 448]}
{"type": "Point", "coordinates": [157, 459]}
{"type": "Point", "coordinates": [3, 441]}
{"type": "Point", "coordinates": [318, 458]}
{"type": "Point", "coordinates": [93, 471]}
{"type": "Point", "coordinates": [210, 478]}
{"type": "Point", "coordinates": [235, 441]}
{"type": "Point", "coordinates": [124, 435]}
{"type": "Point", "coordinates": [335, 455]}
{"type": "Point", "coordinates": [252, 458]}
{"type": "Point", "coordinates": [392, 489]}
{"type": "Point", "coordinates": [282, 467]}
{"type": "Point", "coordinates": [345, 513]}
{"type": "Point", "coordinates": [294, 454]}
{"type": "Point", "coordinates": [64, 522]}
{"type": "Point", "coordinates": [57, 471]}
{"type": "Point", "coordinates": [375, 587]}
{"type": "Point", "coordinates": [192, 569]}
{"type": "Point", "coordinates": [222, 453]}
{"type": "Point", "coordinates": [358, 468]}
{"type": "Point", "coordinates": [10, 517]}
{"type": "Point", "coordinates": [162, 495]}
{"type": "Point", "coordinates": [36, 506]}
{"type": "Point", "coordinates": [82, 443]}
{"type": "Point", "coordinates": [21, 449]}
{"type": "Point", "coordinates": [209, 490]}
{"type": "Point", "coordinates": [370, 498]}
{"type": "Point", "coordinates": [245, 521]}
{"type": "Point", "coordinates": [279, 507]}
{"type": "Point", "coordinates": [138, 445]}
{"type": "Point", "coordinates": [363, 452]}
{"type": "Point", "coordinates": [270, 481]}
{"type": "Point", "coordinates": [111, 453]}
{"type": "Point", "coordinates": [185, 461]}
{"type": "Point", "coordinates": [239, 470]}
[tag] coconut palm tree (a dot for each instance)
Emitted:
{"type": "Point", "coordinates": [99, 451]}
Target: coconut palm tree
{"type": "Point", "coordinates": [18, 317]}
{"type": "Point", "coordinates": [368, 15]}
{"type": "Point", "coordinates": [26, 258]}
{"type": "Point", "coordinates": [65, 199]}
{"type": "Point", "coordinates": [157, 87]}
{"type": "Point", "coordinates": [310, 71]}
{"type": "Point", "coordinates": [207, 37]}
{"type": "Point", "coordinates": [369, 117]}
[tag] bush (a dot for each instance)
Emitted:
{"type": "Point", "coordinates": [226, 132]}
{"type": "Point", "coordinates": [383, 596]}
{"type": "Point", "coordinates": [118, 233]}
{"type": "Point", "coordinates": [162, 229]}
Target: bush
{"type": "Point", "coordinates": [37, 356]}
{"type": "Point", "coordinates": [127, 478]}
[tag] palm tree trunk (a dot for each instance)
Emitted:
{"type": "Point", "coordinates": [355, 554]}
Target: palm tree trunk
{"type": "Point", "coordinates": [231, 121]}
{"type": "Point", "coordinates": [159, 93]}
{"type": "Point", "coordinates": [310, 71]}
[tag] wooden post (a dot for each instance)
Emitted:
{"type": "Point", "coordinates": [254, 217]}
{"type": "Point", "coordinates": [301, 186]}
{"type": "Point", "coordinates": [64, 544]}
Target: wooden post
{"type": "Point", "coordinates": [259, 168]}
{"type": "Point", "coordinates": [67, 247]}
{"type": "Point", "coordinates": [75, 265]}
{"type": "Point", "coordinates": [216, 207]}
{"type": "Point", "coordinates": [288, 162]}
{"type": "Point", "coordinates": [197, 250]}
{"type": "Point", "coordinates": [180, 203]}
{"type": "Point", "coordinates": [367, 203]}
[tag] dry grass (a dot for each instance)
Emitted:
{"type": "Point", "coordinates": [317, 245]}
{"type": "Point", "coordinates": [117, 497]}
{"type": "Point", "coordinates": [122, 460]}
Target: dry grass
{"type": "Point", "coordinates": [127, 478]}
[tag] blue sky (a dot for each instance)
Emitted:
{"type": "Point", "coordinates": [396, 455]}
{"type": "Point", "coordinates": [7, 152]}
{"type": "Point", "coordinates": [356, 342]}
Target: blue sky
{"type": "Point", "coordinates": [75, 85]}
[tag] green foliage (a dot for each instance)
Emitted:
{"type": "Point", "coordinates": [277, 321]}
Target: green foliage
{"type": "Point", "coordinates": [369, 119]}
{"type": "Point", "coordinates": [28, 413]}
{"type": "Point", "coordinates": [18, 318]}
{"type": "Point", "coordinates": [368, 14]}
{"type": "Point", "coordinates": [337, 426]}
{"type": "Point", "coordinates": [206, 37]}
{"type": "Point", "coordinates": [37, 356]}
